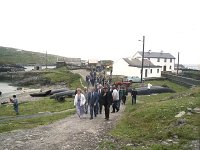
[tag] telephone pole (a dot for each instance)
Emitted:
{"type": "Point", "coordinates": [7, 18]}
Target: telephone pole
{"type": "Point", "coordinates": [143, 42]}
{"type": "Point", "coordinates": [46, 59]}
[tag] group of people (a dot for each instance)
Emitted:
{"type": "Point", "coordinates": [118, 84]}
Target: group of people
{"type": "Point", "coordinates": [93, 100]}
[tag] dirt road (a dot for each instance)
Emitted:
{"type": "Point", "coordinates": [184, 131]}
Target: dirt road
{"type": "Point", "coordinates": [70, 133]}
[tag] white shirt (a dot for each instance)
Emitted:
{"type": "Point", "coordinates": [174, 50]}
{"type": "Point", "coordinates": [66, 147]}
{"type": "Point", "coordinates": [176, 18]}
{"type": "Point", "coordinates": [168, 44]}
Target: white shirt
{"type": "Point", "coordinates": [115, 95]}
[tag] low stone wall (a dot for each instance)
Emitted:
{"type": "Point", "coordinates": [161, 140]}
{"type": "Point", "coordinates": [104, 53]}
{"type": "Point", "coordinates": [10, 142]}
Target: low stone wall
{"type": "Point", "coordinates": [181, 80]}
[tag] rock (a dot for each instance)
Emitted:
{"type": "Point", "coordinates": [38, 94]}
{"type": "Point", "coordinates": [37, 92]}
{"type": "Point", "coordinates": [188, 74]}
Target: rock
{"type": "Point", "coordinates": [189, 113]}
{"type": "Point", "coordinates": [196, 110]}
{"type": "Point", "coordinates": [181, 121]}
{"type": "Point", "coordinates": [180, 114]}
{"type": "Point", "coordinates": [189, 109]}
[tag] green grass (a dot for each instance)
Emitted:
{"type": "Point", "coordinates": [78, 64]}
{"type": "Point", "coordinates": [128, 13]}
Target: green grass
{"type": "Point", "coordinates": [71, 80]}
{"type": "Point", "coordinates": [32, 108]}
{"type": "Point", "coordinates": [43, 105]}
{"type": "Point", "coordinates": [152, 120]}
{"type": "Point", "coordinates": [15, 56]}
{"type": "Point", "coordinates": [32, 122]}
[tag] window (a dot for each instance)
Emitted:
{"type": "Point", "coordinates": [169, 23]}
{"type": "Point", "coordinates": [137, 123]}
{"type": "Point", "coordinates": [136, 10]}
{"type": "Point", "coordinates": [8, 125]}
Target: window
{"type": "Point", "coordinates": [158, 60]}
{"type": "Point", "coordinates": [151, 71]}
{"type": "Point", "coordinates": [165, 60]}
{"type": "Point", "coordinates": [157, 70]}
{"type": "Point", "coordinates": [170, 67]}
{"type": "Point", "coordinates": [170, 60]}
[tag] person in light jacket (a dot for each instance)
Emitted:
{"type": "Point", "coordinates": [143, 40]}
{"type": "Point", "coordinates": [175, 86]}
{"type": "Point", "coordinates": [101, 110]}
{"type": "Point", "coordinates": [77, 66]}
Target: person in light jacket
{"type": "Point", "coordinates": [79, 102]}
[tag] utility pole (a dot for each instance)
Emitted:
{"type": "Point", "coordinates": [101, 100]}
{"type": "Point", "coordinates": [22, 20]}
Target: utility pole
{"type": "Point", "coordinates": [46, 59]}
{"type": "Point", "coordinates": [143, 41]}
{"type": "Point", "coordinates": [178, 64]}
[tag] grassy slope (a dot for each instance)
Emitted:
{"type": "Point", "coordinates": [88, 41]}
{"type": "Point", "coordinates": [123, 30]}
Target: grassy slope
{"type": "Point", "coordinates": [14, 56]}
{"type": "Point", "coordinates": [152, 120]}
{"type": "Point", "coordinates": [30, 108]}
{"type": "Point", "coordinates": [63, 75]}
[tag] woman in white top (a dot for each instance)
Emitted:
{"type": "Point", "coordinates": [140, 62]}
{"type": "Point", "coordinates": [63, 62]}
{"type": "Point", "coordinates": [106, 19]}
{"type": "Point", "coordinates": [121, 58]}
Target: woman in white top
{"type": "Point", "coordinates": [79, 102]}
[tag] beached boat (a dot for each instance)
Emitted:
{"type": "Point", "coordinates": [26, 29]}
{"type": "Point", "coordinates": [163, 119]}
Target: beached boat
{"type": "Point", "coordinates": [153, 90]}
{"type": "Point", "coordinates": [69, 93]}
{"type": "Point", "coordinates": [41, 94]}
{"type": "Point", "coordinates": [58, 91]}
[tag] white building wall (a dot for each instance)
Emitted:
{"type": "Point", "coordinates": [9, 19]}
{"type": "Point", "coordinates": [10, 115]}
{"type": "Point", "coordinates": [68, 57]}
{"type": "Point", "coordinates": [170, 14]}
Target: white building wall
{"type": "Point", "coordinates": [163, 63]}
{"type": "Point", "coordinates": [120, 67]}
{"type": "Point", "coordinates": [150, 74]}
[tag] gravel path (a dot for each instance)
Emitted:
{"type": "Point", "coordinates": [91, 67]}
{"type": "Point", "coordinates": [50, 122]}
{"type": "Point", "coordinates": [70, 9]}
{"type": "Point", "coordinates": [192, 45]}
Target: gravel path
{"type": "Point", "coordinates": [70, 133]}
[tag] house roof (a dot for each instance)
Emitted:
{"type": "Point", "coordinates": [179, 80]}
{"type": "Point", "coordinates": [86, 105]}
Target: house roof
{"type": "Point", "coordinates": [156, 55]}
{"type": "Point", "coordinates": [137, 63]}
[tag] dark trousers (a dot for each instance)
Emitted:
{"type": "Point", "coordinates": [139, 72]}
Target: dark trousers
{"type": "Point", "coordinates": [107, 111]}
{"type": "Point", "coordinates": [100, 108]}
{"type": "Point", "coordinates": [93, 111]}
{"type": "Point", "coordinates": [16, 108]}
{"type": "Point", "coordinates": [133, 99]}
{"type": "Point", "coordinates": [114, 106]}
{"type": "Point", "coordinates": [124, 100]}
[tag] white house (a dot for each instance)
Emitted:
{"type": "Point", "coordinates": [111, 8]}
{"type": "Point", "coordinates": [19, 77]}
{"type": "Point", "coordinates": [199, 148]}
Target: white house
{"type": "Point", "coordinates": [166, 60]}
{"type": "Point", "coordinates": [132, 67]}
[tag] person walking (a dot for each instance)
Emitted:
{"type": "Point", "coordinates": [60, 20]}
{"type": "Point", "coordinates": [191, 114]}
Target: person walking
{"type": "Point", "coordinates": [106, 101]}
{"type": "Point", "coordinates": [133, 95]}
{"type": "Point", "coordinates": [93, 99]}
{"type": "Point", "coordinates": [85, 93]}
{"type": "Point", "coordinates": [100, 91]}
{"type": "Point", "coordinates": [79, 102]}
{"type": "Point", "coordinates": [115, 96]}
{"type": "Point", "coordinates": [14, 100]}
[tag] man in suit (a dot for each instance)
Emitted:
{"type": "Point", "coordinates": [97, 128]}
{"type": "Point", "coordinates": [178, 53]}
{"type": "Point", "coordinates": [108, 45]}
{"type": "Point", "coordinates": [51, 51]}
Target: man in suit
{"type": "Point", "coordinates": [99, 91]}
{"type": "Point", "coordinates": [106, 101]}
{"type": "Point", "coordinates": [93, 99]}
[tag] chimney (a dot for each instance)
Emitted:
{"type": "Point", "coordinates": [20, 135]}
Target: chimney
{"type": "Point", "coordinates": [149, 51]}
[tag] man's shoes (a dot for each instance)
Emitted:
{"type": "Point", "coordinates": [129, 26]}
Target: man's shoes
{"type": "Point", "coordinates": [112, 112]}
{"type": "Point", "coordinates": [107, 118]}
{"type": "Point", "coordinates": [117, 110]}
{"type": "Point", "coordinates": [91, 118]}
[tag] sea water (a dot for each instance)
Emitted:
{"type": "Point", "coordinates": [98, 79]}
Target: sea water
{"type": "Point", "coordinates": [7, 90]}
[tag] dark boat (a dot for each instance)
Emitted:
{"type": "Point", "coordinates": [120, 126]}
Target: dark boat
{"type": "Point", "coordinates": [41, 94]}
{"type": "Point", "coordinates": [153, 90]}
{"type": "Point", "coordinates": [58, 91]}
{"type": "Point", "coordinates": [69, 93]}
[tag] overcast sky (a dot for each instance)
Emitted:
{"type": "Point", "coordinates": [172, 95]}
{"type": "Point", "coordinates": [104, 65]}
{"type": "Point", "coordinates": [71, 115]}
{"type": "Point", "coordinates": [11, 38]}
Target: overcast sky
{"type": "Point", "coordinates": [103, 29]}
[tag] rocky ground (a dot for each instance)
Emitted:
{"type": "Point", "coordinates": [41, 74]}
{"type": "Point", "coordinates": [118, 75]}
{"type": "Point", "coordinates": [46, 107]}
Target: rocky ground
{"type": "Point", "coordinates": [71, 133]}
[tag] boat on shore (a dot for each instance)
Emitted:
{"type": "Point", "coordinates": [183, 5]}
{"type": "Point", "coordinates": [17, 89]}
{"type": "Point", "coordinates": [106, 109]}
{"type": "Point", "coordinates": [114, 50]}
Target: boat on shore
{"type": "Point", "coordinates": [69, 93]}
{"type": "Point", "coordinates": [41, 94]}
{"type": "Point", "coordinates": [153, 90]}
{"type": "Point", "coordinates": [58, 91]}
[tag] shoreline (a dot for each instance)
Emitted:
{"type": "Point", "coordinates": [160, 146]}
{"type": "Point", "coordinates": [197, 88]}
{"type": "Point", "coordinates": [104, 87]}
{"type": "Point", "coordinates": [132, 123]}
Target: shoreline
{"type": "Point", "coordinates": [23, 95]}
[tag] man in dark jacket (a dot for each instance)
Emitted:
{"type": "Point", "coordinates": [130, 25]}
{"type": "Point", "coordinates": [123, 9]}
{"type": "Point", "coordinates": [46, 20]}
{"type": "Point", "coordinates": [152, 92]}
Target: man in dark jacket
{"type": "Point", "coordinates": [106, 101]}
{"type": "Point", "coordinates": [93, 99]}
{"type": "Point", "coordinates": [134, 95]}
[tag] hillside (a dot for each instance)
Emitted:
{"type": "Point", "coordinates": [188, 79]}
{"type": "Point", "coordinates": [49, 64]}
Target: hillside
{"type": "Point", "coordinates": [16, 56]}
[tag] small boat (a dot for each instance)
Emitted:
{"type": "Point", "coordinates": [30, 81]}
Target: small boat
{"type": "Point", "coordinates": [41, 94]}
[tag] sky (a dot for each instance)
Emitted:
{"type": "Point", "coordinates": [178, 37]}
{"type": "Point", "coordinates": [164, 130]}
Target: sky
{"type": "Point", "coordinates": [102, 29]}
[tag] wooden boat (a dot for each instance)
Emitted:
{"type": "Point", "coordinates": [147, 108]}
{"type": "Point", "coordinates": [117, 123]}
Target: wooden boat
{"type": "Point", "coordinates": [41, 94]}
{"type": "Point", "coordinates": [153, 90]}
